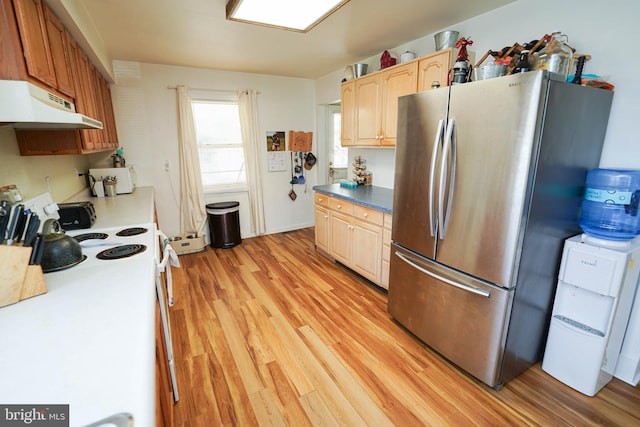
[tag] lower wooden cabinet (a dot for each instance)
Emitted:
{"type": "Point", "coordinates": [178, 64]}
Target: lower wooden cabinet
{"type": "Point", "coordinates": [321, 215]}
{"type": "Point", "coordinates": [386, 252]}
{"type": "Point", "coordinates": [353, 235]}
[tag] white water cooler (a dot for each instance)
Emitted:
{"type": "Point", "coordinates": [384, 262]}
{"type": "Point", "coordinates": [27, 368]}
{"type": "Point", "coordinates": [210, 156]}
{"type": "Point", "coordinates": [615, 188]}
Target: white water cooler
{"type": "Point", "coordinates": [596, 288]}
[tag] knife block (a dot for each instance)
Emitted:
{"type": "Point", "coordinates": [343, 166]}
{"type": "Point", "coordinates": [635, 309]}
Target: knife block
{"type": "Point", "coordinates": [18, 279]}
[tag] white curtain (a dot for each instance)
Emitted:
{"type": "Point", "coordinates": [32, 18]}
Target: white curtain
{"type": "Point", "coordinates": [192, 205]}
{"type": "Point", "coordinates": [248, 106]}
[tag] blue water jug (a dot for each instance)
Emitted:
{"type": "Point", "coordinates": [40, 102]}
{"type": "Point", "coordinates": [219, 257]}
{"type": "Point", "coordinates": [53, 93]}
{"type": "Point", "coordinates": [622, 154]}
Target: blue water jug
{"type": "Point", "coordinates": [610, 205]}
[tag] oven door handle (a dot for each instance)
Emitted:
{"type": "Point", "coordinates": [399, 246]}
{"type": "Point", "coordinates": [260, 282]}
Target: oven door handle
{"type": "Point", "coordinates": [169, 258]}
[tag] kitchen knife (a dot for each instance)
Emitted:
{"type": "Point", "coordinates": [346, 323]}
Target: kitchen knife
{"type": "Point", "coordinates": [20, 227]}
{"type": "Point", "coordinates": [37, 250]}
{"type": "Point", "coordinates": [32, 229]}
{"type": "Point", "coordinates": [13, 222]}
{"type": "Point", "coordinates": [40, 251]}
{"type": "Point", "coordinates": [5, 213]}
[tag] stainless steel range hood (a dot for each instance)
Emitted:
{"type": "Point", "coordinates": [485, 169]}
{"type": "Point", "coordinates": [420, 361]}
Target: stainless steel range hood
{"type": "Point", "coordinates": [24, 105]}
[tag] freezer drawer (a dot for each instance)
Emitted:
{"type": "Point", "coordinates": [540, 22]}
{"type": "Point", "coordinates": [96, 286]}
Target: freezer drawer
{"type": "Point", "coordinates": [460, 317]}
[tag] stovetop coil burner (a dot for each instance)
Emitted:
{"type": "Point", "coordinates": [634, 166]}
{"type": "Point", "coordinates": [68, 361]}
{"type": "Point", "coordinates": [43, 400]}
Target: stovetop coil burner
{"type": "Point", "coordinates": [122, 251]}
{"type": "Point", "coordinates": [90, 236]}
{"type": "Point", "coordinates": [133, 231]}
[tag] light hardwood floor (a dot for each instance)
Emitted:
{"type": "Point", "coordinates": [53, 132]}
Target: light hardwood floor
{"type": "Point", "coordinates": [272, 333]}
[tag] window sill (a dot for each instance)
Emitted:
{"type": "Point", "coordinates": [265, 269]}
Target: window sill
{"type": "Point", "coordinates": [218, 189]}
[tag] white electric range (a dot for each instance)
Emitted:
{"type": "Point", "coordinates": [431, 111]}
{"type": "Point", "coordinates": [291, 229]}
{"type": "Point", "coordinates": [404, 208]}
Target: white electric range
{"type": "Point", "coordinates": [115, 246]}
{"type": "Point", "coordinates": [90, 340]}
{"type": "Point", "coordinates": [126, 248]}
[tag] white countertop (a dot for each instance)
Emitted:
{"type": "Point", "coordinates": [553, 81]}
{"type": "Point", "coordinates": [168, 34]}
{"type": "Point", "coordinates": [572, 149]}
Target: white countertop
{"type": "Point", "coordinates": [123, 209]}
{"type": "Point", "coordinates": [90, 340]}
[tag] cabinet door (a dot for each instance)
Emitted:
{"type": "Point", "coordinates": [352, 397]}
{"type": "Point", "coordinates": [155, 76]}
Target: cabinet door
{"type": "Point", "coordinates": [347, 113]}
{"type": "Point", "coordinates": [101, 140]}
{"type": "Point", "coordinates": [111, 134]}
{"type": "Point", "coordinates": [33, 33]}
{"type": "Point", "coordinates": [85, 100]}
{"type": "Point", "coordinates": [321, 216]}
{"type": "Point", "coordinates": [368, 102]}
{"type": "Point", "coordinates": [398, 81]}
{"type": "Point", "coordinates": [57, 36]}
{"type": "Point", "coordinates": [341, 240]}
{"type": "Point", "coordinates": [367, 249]}
{"type": "Point", "coordinates": [434, 68]}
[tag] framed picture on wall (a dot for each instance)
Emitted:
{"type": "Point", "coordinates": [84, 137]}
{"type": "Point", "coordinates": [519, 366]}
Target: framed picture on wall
{"type": "Point", "coordinates": [275, 141]}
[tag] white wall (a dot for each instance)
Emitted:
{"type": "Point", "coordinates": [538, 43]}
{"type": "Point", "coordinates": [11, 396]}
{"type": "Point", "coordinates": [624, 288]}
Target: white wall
{"type": "Point", "coordinates": [604, 31]}
{"type": "Point", "coordinates": [29, 173]}
{"type": "Point", "coordinates": [146, 116]}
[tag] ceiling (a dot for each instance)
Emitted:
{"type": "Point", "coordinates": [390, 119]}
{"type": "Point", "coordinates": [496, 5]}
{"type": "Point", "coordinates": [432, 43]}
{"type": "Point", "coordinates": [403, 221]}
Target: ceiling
{"type": "Point", "coordinates": [195, 33]}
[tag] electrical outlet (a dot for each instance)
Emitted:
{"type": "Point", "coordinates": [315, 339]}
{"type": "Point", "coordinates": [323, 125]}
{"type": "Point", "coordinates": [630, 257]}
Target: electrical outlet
{"type": "Point", "coordinates": [43, 205]}
{"type": "Point", "coordinates": [166, 165]}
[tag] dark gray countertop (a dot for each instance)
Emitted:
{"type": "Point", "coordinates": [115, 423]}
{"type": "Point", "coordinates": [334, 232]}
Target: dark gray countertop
{"type": "Point", "coordinates": [379, 198]}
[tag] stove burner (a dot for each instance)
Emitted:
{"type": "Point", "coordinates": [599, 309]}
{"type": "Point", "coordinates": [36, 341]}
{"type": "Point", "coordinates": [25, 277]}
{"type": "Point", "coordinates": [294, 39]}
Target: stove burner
{"type": "Point", "coordinates": [122, 251]}
{"type": "Point", "coordinates": [133, 231]}
{"type": "Point", "coordinates": [89, 236]}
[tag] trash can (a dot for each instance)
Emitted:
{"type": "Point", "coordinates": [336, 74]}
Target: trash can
{"type": "Point", "coordinates": [224, 224]}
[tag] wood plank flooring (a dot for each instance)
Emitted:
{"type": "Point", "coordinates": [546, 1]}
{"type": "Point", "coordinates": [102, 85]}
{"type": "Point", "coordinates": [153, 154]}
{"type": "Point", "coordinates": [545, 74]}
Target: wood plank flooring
{"type": "Point", "coordinates": [271, 333]}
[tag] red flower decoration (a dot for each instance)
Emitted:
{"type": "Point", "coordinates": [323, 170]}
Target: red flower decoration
{"type": "Point", "coordinates": [462, 44]}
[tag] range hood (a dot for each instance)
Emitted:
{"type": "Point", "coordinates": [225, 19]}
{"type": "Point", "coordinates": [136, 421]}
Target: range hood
{"type": "Point", "coordinates": [24, 105]}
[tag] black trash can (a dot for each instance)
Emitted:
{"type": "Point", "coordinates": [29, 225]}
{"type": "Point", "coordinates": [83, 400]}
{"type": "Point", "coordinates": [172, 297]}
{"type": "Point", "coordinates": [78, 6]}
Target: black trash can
{"type": "Point", "coordinates": [224, 224]}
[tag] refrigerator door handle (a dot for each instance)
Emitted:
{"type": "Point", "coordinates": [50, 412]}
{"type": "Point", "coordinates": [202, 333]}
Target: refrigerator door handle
{"type": "Point", "coordinates": [450, 146]}
{"type": "Point", "coordinates": [467, 288]}
{"type": "Point", "coordinates": [433, 222]}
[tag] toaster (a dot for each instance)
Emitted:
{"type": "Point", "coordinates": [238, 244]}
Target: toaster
{"type": "Point", "coordinates": [76, 216]}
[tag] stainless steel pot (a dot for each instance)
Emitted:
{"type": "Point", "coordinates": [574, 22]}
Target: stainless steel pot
{"type": "Point", "coordinates": [60, 251]}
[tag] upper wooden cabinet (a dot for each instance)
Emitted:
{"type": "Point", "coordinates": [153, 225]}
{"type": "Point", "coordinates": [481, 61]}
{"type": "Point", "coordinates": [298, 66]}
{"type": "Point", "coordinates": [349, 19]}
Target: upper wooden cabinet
{"type": "Point", "coordinates": [370, 103]}
{"type": "Point", "coordinates": [434, 68]}
{"type": "Point", "coordinates": [368, 107]}
{"type": "Point", "coordinates": [60, 53]}
{"type": "Point", "coordinates": [347, 111]}
{"type": "Point", "coordinates": [396, 82]}
{"type": "Point", "coordinates": [35, 46]}
{"type": "Point", "coordinates": [376, 100]}
{"type": "Point", "coordinates": [33, 34]}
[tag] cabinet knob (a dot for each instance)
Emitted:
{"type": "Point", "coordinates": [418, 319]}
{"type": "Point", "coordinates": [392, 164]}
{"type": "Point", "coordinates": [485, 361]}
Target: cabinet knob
{"type": "Point", "coordinates": [319, 199]}
{"type": "Point", "coordinates": [365, 215]}
{"type": "Point", "coordinates": [339, 206]}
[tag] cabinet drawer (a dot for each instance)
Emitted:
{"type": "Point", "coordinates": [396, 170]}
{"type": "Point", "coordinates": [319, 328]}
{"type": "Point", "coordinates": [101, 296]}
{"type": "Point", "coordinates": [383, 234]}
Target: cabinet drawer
{"type": "Point", "coordinates": [367, 214]}
{"type": "Point", "coordinates": [341, 206]}
{"type": "Point", "coordinates": [322, 199]}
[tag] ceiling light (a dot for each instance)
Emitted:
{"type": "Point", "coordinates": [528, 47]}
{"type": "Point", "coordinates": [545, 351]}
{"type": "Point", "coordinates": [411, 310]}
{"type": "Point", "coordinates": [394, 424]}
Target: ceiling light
{"type": "Point", "coordinates": [293, 15]}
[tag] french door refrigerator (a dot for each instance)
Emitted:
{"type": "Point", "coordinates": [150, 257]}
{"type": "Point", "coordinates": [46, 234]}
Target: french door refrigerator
{"type": "Point", "coordinates": [489, 178]}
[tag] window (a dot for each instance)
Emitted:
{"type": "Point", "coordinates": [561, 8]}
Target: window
{"type": "Point", "coordinates": [217, 123]}
{"type": "Point", "coordinates": [340, 154]}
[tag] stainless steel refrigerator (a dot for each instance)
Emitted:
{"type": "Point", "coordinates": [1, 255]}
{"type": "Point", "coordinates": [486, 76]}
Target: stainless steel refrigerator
{"type": "Point", "coordinates": [489, 178]}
